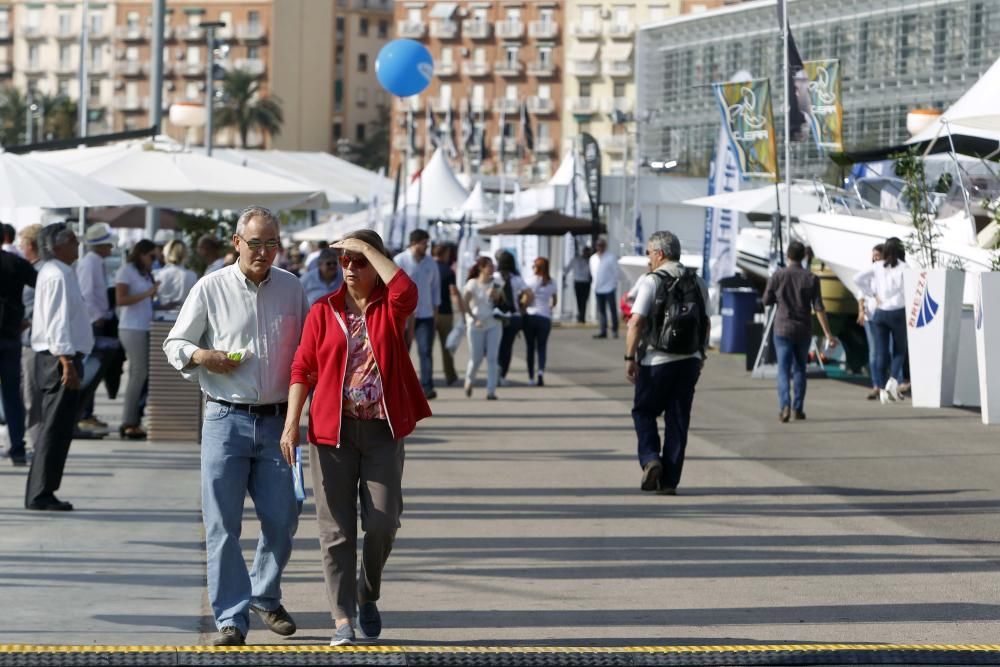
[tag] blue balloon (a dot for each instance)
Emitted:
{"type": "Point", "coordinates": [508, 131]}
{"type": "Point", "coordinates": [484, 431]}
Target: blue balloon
{"type": "Point", "coordinates": [404, 67]}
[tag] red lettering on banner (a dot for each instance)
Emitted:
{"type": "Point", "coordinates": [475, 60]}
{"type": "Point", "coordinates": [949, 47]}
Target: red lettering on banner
{"type": "Point", "coordinates": [918, 299]}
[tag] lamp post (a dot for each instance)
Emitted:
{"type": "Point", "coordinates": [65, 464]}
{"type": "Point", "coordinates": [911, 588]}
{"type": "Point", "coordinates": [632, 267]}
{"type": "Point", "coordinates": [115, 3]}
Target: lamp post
{"type": "Point", "coordinates": [156, 97]}
{"type": "Point", "coordinates": [210, 27]}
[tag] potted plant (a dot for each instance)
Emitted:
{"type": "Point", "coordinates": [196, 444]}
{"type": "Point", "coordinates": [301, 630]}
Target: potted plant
{"type": "Point", "coordinates": [987, 322]}
{"type": "Point", "coordinates": [933, 295]}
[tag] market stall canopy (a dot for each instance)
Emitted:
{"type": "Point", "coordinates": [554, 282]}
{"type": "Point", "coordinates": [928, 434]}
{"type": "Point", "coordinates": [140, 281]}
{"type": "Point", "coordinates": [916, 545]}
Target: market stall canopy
{"type": "Point", "coordinates": [181, 179]}
{"type": "Point", "coordinates": [335, 229]}
{"type": "Point", "coordinates": [546, 223]}
{"type": "Point", "coordinates": [27, 182]}
{"type": "Point", "coordinates": [767, 200]}
{"type": "Point", "coordinates": [474, 205]}
{"type": "Point", "coordinates": [131, 217]}
{"type": "Point", "coordinates": [441, 193]}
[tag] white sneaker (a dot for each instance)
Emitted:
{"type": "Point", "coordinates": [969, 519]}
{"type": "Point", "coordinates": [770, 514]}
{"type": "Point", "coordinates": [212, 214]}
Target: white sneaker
{"type": "Point", "coordinates": [892, 387]}
{"type": "Point", "coordinates": [883, 396]}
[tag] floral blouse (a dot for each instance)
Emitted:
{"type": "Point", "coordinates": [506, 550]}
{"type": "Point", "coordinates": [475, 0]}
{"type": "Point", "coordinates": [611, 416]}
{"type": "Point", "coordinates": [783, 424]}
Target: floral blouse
{"type": "Point", "coordinates": [363, 385]}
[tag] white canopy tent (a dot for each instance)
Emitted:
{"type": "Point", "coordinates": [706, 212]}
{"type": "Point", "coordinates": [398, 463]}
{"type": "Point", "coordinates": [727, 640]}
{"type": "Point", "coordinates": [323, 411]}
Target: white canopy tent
{"type": "Point", "coordinates": [436, 193]}
{"type": "Point", "coordinates": [966, 115]}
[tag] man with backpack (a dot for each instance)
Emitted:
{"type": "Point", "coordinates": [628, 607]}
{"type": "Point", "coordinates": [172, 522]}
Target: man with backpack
{"type": "Point", "coordinates": [664, 353]}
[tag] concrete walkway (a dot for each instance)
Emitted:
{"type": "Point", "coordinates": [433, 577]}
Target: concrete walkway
{"type": "Point", "coordinates": [524, 524]}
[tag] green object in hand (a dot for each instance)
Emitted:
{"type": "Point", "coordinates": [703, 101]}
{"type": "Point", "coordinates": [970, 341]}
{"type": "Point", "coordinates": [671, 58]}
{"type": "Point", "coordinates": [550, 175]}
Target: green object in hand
{"type": "Point", "coordinates": [235, 356]}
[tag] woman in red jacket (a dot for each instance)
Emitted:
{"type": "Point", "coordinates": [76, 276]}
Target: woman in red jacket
{"type": "Point", "coordinates": [366, 399]}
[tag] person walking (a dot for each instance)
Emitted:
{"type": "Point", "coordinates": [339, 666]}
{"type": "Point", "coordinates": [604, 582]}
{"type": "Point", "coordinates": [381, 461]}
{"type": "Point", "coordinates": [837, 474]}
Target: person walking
{"type": "Point", "coordinates": [538, 317]}
{"type": "Point", "coordinates": [323, 277]}
{"type": "Point", "coordinates": [257, 310]}
{"type": "Point", "coordinates": [883, 282]}
{"type": "Point", "coordinates": [795, 292]}
{"type": "Point", "coordinates": [16, 273]}
{"type": "Point", "coordinates": [445, 318]}
{"type": "Point", "coordinates": [134, 293]}
{"type": "Point", "coordinates": [866, 310]}
{"type": "Point", "coordinates": [513, 294]}
{"type": "Point", "coordinates": [174, 280]}
{"type": "Point", "coordinates": [605, 271]}
{"type": "Point", "coordinates": [29, 385]}
{"type": "Point", "coordinates": [482, 326]}
{"type": "Point", "coordinates": [665, 369]}
{"type": "Point", "coordinates": [579, 268]}
{"type": "Point", "coordinates": [423, 271]}
{"type": "Point", "coordinates": [100, 240]}
{"type": "Point", "coordinates": [366, 400]}
{"type": "Point", "coordinates": [60, 336]}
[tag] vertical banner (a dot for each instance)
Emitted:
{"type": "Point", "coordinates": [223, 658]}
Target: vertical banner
{"type": "Point", "coordinates": [592, 177]}
{"type": "Point", "coordinates": [748, 121]}
{"type": "Point", "coordinates": [721, 225]}
{"type": "Point", "coordinates": [824, 110]}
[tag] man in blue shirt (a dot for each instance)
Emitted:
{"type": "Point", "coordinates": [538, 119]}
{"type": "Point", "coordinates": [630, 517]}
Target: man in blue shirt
{"type": "Point", "coordinates": [322, 277]}
{"type": "Point", "coordinates": [423, 271]}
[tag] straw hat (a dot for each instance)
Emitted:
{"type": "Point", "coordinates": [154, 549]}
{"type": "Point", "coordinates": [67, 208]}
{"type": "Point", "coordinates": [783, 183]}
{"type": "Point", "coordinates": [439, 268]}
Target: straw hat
{"type": "Point", "coordinates": [100, 233]}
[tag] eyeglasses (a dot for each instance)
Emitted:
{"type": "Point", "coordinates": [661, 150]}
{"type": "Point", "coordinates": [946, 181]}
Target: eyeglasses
{"type": "Point", "coordinates": [255, 245]}
{"type": "Point", "coordinates": [357, 261]}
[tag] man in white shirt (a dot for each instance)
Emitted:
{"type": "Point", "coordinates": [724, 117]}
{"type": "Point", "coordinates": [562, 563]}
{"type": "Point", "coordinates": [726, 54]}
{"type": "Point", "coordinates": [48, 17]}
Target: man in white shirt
{"type": "Point", "coordinates": [664, 380]}
{"type": "Point", "coordinates": [60, 336]}
{"type": "Point", "coordinates": [605, 272]}
{"type": "Point", "coordinates": [323, 277]}
{"type": "Point", "coordinates": [423, 271]}
{"type": "Point", "coordinates": [258, 310]}
{"type": "Point", "coordinates": [100, 241]}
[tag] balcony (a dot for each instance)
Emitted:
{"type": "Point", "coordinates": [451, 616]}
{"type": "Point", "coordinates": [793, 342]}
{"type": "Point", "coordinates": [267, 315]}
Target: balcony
{"type": "Point", "coordinates": [251, 33]}
{"type": "Point", "coordinates": [133, 68]}
{"type": "Point", "coordinates": [67, 69]}
{"type": "Point", "coordinates": [541, 106]}
{"type": "Point", "coordinates": [191, 33]}
{"type": "Point", "coordinates": [32, 32]}
{"type": "Point", "coordinates": [404, 104]}
{"type": "Point", "coordinates": [585, 68]}
{"type": "Point", "coordinates": [6, 69]}
{"type": "Point", "coordinates": [509, 67]}
{"type": "Point", "coordinates": [544, 145]}
{"type": "Point", "coordinates": [5, 33]}
{"type": "Point", "coordinates": [621, 31]}
{"type": "Point", "coordinates": [34, 69]}
{"type": "Point", "coordinates": [505, 105]}
{"type": "Point", "coordinates": [618, 105]}
{"type": "Point", "coordinates": [98, 69]}
{"type": "Point", "coordinates": [543, 29]}
{"type": "Point", "coordinates": [444, 29]}
{"type": "Point", "coordinates": [192, 70]}
{"type": "Point", "coordinates": [67, 34]}
{"type": "Point", "coordinates": [446, 69]}
{"type": "Point", "coordinates": [255, 66]}
{"type": "Point", "coordinates": [168, 32]}
{"type": "Point", "coordinates": [618, 68]}
{"type": "Point", "coordinates": [376, 5]}
{"type": "Point", "coordinates": [475, 29]}
{"type": "Point", "coordinates": [583, 106]}
{"type": "Point", "coordinates": [411, 29]}
{"type": "Point", "coordinates": [98, 33]}
{"type": "Point", "coordinates": [616, 144]}
{"type": "Point", "coordinates": [509, 145]}
{"type": "Point", "coordinates": [472, 68]}
{"type": "Point", "coordinates": [129, 104]}
{"type": "Point", "coordinates": [510, 29]}
{"type": "Point", "coordinates": [440, 104]}
{"type": "Point", "coordinates": [542, 69]}
{"type": "Point", "coordinates": [477, 106]}
{"type": "Point", "coordinates": [586, 30]}
{"type": "Point", "coordinates": [132, 33]}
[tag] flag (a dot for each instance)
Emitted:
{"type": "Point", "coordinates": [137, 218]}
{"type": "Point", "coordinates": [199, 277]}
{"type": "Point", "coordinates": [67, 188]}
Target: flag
{"type": "Point", "coordinates": [503, 139]}
{"type": "Point", "coordinates": [527, 135]}
{"type": "Point", "coordinates": [721, 225]}
{"type": "Point", "coordinates": [411, 131]}
{"type": "Point", "coordinates": [797, 86]}
{"type": "Point", "coordinates": [483, 147]}
{"type": "Point", "coordinates": [748, 121]}
{"type": "Point", "coordinates": [592, 175]}
{"type": "Point", "coordinates": [825, 113]}
{"type": "Point", "coordinates": [468, 128]}
{"type": "Point", "coordinates": [449, 133]}
{"type": "Point", "coordinates": [433, 138]}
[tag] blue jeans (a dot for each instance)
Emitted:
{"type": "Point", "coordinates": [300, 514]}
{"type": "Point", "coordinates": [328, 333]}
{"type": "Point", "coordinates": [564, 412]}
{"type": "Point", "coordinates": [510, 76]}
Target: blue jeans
{"type": "Point", "coordinates": [666, 389]}
{"type": "Point", "coordinates": [607, 302]}
{"type": "Point", "coordinates": [423, 332]}
{"type": "Point", "coordinates": [890, 344]}
{"type": "Point", "coordinates": [240, 453]}
{"type": "Point", "coordinates": [10, 391]}
{"type": "Point", "coordinates": [792, 357]}
{"type": "Point", "coordinates": [536, 336]}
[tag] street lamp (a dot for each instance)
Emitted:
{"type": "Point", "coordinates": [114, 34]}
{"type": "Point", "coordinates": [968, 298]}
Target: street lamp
{"type": "Point", "coordinates": [210, 27]}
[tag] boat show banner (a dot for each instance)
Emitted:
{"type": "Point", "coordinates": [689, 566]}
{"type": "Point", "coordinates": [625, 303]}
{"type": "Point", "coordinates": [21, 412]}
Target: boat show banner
{"type": "Point", "coordinates": [748, 120]}
{"type": "Point", "coordinates": [825, 111]}
{"type": "Point", "coordinates": [721, 225]}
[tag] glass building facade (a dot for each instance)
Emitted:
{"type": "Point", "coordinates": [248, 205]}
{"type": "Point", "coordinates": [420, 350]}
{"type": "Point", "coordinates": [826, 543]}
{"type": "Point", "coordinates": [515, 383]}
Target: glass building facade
{"type": "Point", "coordinates": [896, 56]}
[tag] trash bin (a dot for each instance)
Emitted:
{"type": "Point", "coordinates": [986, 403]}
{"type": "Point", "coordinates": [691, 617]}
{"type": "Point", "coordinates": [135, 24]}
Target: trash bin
{"type": "Point", "coordinates": [738, 307]}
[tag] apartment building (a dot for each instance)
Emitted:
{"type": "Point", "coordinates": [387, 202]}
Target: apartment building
{"type": "Point", "coordinates": [488, 56]}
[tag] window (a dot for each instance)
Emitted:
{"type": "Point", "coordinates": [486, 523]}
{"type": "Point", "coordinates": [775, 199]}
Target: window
{"type": "Point", "coordinates": [547, 15]}
{"type": "Point", "coordinates": [513, 14]}
{"type": "Point", "coordinates": [338, 55]}
{"type": "Point", "coordinates": [584, 89]}
{"type": "Point", "coordinates": [359, 132]}
{"type": "Point", "coordinates": [362, 62]}
{"type": "Point", "coordinates": [5, 20]}
{"type": "Point", "coordinates": [339, 27]}
{"type": "Point", "coordinates": [511, 92]}
{"type": "Point", "coordinates": [619, 89]}
{"type": "Point", "coordinates": [383, 29]}
{"type": "Point", "coordinates": [62, 88]}
{"type": "Point", "coordinates": [478, 96]}
{"type": "Point", "coordinates": [253, 52]}
{"type": "Point", "coordinates": [545, 91]}
{"type": "Point", "coordinates": [193, 55]}
{"type": "Point", "coordinates": [65, 23]}
{"type": "Point", "coordinates": [362, 97]}
{"type": "Point", "coordinates": [96, 57]}
{"type": "Point", "coordinates": [194, 18]}
{"type": "Point", "coordinates": [479, 15]}
{"type": "Point", "coordinates": [95, 89]}
{"type": "Point", "coordinates": [34, 17]}
{"type": "Point", "coordinates": [65, 56]}
{"type": "Point", "coordinates": [657, 13]}
{"type": "Point", "coordinates": [363, 26]}
{"type": "Point", "coordinates": [413, 15]}
{"type": "Point", "coordinates": [545, 55]}
{"type": "Point", "coordinates": [479, 56]}
{"type": "Point", "coordinates": [446, 55]}
{"type": "Point", "coordinates": [445, 95]}
{"type": "Point", "coordinates": [623, 16]}
{"type": "Point", "coordinates": [338, 131]}
{"type": "Point", "coordinates": [227, 18]}
{"type": "Point", "coordinates": [192, 91]}
{"type": "Point", "coordinates": [132, 91]}
{"type": "Point", "coordinates": [132, 53]}
{"type": "Point", "coordinates": [33, 56]}
{"type": "Point", "coordinates": [253, 18]}
{"type": "Point", "coordinates": [589, 16]}
{"type": "Point", "coordinates": [511, 53]}
{"type": "Point", "coordinates": [97, 23]}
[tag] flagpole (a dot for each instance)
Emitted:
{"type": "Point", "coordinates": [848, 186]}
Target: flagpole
{"type": "Point", "coordinates": [502, 161]}
{"type": "Point", "coordinates": [788, 128]}
{"type": "Point", "coordinates": [406, 170]}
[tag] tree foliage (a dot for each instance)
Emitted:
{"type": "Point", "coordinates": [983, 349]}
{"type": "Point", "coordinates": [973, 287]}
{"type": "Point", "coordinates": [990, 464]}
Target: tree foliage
{"type": "Point", "coordinates": [245, 109]}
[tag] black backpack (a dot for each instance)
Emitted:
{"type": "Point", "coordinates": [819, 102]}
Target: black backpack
{"type": "Point", "coordinates": [678, 318]}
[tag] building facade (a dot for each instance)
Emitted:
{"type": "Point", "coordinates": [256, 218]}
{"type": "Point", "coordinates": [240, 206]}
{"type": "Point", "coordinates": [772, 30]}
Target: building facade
{"type": "Point", "coordinates": [489, 57]}
{"type": "Point", "coordinates": [895, 55]}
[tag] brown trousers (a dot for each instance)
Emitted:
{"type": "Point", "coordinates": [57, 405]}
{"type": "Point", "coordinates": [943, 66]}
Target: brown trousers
{"type": "Point", "coordinates": [443, 325]}
{"type": "Point", "coordinates": [368, 460]}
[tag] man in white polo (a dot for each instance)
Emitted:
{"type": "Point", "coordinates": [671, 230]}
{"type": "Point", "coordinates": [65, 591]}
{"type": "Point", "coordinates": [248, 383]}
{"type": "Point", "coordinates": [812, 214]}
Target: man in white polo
{"type": "Point", "coordinates": [100, 241]}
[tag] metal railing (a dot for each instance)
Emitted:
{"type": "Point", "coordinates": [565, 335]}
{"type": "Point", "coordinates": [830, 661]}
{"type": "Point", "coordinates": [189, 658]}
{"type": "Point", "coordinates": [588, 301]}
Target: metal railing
{"type": "Point", "coordinates": [543, 29]}
{"type": "Point", "coordinates": [618, 67]}
{"type": "Point", "coordinates": [132, 33]}
{"type": "Point", "coordinates": [444, 29]}
{"type": "Point", "coordinates": [250, 32]}
{"type": "Point", "coordinates": [509, 67]}
{"type": "Point", "coordinates": [586, 30]}
{"type": "Point", "coordinates": [583, 105]}
{"type": "Point", "coordinates": [621, 30]}
{"type": "Point", "coordinates": [584, 67]}
{"type": "Point", "coordinates": [255, 66]}
{"type": "Point", "coordinates": [476, 29]}
{"type": "Point", "coordinates": [411, 29]}
{"type": "Point", "coordinates": [472, 68]}
{"type": "Point", "coordinates": [541, 105]}
{"type": "Point", "coordinates": [539, 68]}
{"type": "Point", "coordinates": [510, 29]}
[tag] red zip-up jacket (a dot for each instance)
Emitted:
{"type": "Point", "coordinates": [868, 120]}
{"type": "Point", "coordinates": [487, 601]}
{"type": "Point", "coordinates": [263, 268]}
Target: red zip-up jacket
{"type": "Point", "coordinates": [322, 353]}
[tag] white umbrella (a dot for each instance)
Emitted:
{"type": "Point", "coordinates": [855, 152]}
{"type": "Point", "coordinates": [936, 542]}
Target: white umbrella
{"type": "Point", "coordinates": [26, 182]}
{"type": "Point", "coordinates": [182, 179]}
{"type": "Point", "coordinates": [805, 199]}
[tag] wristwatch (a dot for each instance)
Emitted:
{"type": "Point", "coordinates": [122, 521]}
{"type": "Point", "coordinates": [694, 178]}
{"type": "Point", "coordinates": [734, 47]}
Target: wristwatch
{"type": "Point", "coordinates": [629, 357]}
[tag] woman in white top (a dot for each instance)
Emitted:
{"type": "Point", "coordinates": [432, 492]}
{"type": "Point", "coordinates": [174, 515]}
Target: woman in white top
{"type": "Point", "coordinates": [134, 292]}
{"type": "Point", "coordinates": [883, 283]}
{"type": "Point", "coordinates": [480, 295]}
{"type": "Point", "coordinates": [538, 323]}
{"type": "Point", "coordinates": [175, 282]}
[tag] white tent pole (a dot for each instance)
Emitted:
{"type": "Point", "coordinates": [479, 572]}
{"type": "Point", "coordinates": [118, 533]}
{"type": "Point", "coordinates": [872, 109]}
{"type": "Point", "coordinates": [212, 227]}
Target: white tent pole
{"type": "Point", "coordinates": [787, 232]}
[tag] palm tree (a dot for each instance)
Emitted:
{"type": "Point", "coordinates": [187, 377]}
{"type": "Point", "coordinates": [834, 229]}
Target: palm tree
{"type": "Point", "coordinates": [13, 110]}
{"type": "Point", "coordinates": [59, 116]}
{"type": "Point", "coordinates": [244, 109]}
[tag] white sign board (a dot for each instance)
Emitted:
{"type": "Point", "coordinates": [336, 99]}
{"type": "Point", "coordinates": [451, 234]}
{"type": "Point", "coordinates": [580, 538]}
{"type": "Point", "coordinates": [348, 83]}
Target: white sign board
{"type": "Point", "coordinates": [933, 327]}
{"type": "Point", "coordinates": [987, 323]}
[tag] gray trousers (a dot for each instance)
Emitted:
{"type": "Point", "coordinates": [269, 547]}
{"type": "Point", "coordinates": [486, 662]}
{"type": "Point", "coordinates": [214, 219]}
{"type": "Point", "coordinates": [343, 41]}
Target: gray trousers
{"type": "Point", "coordinates": [32, 396]}
{"type": "Point", "coordinates": [136, 344]}
{"type": "Point", "coordinates": [368, 460]}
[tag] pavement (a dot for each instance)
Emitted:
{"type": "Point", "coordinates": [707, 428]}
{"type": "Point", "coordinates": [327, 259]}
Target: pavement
{"type": "Point", "coordinates": [524, 525]}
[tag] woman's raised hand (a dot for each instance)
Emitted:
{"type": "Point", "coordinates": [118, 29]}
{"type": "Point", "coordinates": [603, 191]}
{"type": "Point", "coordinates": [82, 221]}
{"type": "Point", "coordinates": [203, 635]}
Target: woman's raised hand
{"type": "Point", "coordinates": [353, 245]}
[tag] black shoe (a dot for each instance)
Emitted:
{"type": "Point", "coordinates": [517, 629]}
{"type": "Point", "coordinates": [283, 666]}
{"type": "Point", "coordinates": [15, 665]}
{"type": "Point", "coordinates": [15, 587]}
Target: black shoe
{"type": "Point", "coordinates": [491, 397]}
{"type": "Point", "coordinates": [431, 395]}
{"type": "Point", "coordinates": [277, 620]}
{"type": "Point", "coordinates": [229, 636]}
{"type": "Point", "coordinates": [785, 414]}
{"type": "Point", "coordinates": [19, 461]}
{"type": "Point", "coordinates": [369, 620]}
{"type": "Point", "coordinates": [51, 504]}
{"type": "Point", "coordinates": [667, 491]}
{"type": "Point", "coordinates": [651, 476]}
{"type": "Point", "coordinates": [541, 381]}
{"type": "Point", "coordinates": [800, 416]}
{"type": "Point", "coordinates": [603, 335]}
